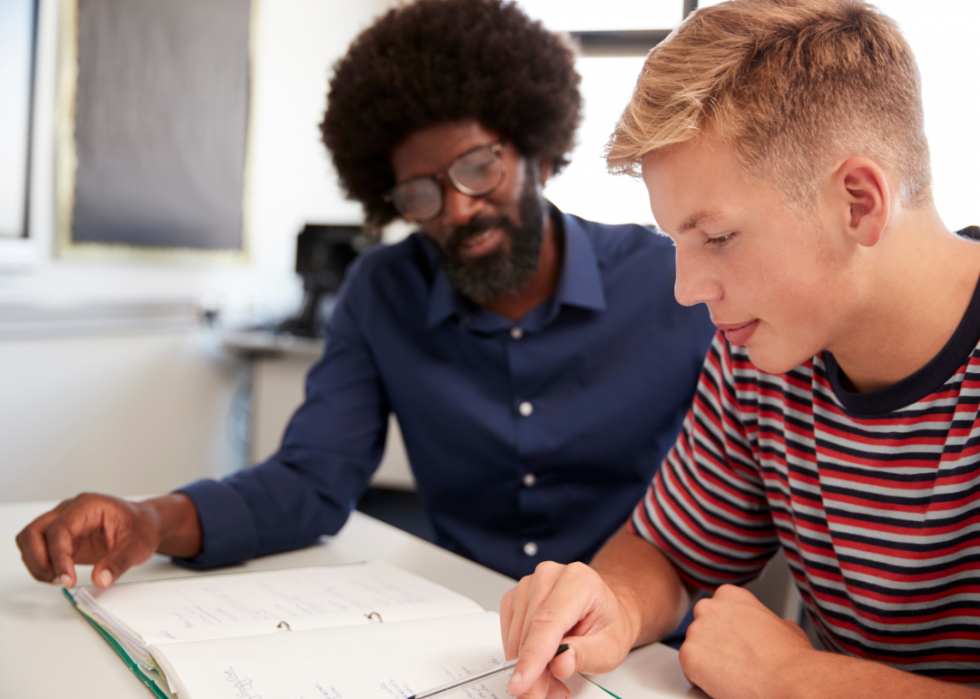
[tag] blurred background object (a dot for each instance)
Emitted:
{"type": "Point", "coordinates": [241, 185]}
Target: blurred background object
{"type": "Point", "coordinates": [323, 253]}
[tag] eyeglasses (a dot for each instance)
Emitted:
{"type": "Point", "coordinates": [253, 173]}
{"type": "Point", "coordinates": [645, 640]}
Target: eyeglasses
{"type": "Point", "coordinates": [476, 173]}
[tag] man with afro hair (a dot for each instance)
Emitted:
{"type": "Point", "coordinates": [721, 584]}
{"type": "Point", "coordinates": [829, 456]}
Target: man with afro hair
{"type": "Point", "coordinates": [538, 363]}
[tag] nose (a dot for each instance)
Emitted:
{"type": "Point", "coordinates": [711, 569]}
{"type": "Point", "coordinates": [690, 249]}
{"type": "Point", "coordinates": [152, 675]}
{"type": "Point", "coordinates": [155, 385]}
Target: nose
{"type": "Point", "coordinates": [457, 208]}
{"type": "Point", "coordinates": [695, 282]}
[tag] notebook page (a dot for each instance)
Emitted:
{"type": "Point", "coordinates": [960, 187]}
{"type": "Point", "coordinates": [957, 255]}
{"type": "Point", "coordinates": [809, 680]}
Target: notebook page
{"type": "Point", "coordinates": [244, 604]}
{"type": "Point", "coordinates": [383, 661]}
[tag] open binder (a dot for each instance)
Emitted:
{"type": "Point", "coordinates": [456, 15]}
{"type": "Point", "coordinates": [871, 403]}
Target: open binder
{"type": "Point", "coordinates": [361, 631]}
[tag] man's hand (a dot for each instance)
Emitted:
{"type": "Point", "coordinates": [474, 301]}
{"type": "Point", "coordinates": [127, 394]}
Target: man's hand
{"type": "Point", "coordinates": [111, 533]}
{"type": "Point", "coordinates": [736, 648]}
{"type": "Point", "coordinates": [562, 604]}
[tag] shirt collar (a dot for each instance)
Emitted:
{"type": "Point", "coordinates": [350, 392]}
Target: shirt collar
{"type": "Point", "coordinates": [580, 283]}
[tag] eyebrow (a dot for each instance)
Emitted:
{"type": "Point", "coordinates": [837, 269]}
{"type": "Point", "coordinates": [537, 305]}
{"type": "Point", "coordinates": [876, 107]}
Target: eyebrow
{"type": "Point", "coordinates": [697, 220]}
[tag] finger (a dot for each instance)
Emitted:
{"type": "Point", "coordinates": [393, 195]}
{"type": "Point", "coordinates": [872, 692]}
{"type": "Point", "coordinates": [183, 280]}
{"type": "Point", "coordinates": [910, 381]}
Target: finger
{"type": "Point", "coordinates": [34, 548]}
{"type": "Point", "coordinates": [702, 607]}
{"type": "Point", "coordinates": [62, 534]}
{"type": "Point", "coordinates": [60, 551]}
{"type": "Point", "coordinates": [540, 688]}
{"type": "Point", "coordinates": [507, 612]}
{"type": "Point", "coordinates": [570, 601]}
{"type": "Point", "coordinates": [557, 690]}
{"type": "Point", "coordinates": [527, 596]}
{"type": "Point", "coordinates": [564, 664]}
{"type": "Point", "coordinates": [127, 554]}
{"type": "Point", "coordinates": [542, 583]}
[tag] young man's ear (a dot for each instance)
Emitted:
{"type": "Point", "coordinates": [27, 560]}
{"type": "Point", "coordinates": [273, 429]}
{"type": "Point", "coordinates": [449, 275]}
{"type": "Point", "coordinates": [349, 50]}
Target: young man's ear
{"type": "Point", "coordinates": [861, 187]}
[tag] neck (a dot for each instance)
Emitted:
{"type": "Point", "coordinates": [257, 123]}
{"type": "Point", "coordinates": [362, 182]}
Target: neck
{"type": "Point", "coordinates": [922, 282]}
{"type": "Point", "coordinates": [542, 284]}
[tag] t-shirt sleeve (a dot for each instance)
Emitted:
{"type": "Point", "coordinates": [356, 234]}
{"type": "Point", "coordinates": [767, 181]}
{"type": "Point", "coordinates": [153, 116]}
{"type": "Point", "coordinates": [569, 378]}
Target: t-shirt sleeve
{"type": "Point", "coordinates": [331, 447]}
{"type": "Point", "coordinates": [706, 508]}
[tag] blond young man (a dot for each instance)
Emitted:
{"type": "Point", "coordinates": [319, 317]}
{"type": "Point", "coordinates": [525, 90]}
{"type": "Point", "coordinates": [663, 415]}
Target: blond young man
{"type": "Point", "coordinates": [836, 416]}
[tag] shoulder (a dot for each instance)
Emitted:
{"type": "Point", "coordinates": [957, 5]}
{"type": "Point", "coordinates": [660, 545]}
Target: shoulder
{"type": "Point", "coordinates": [408, 251]}
{"type": "Point", "coordinates": [407, 259]}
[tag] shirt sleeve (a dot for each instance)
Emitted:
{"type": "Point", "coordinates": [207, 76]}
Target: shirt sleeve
{"type": "Point", "coordinates": [706, 508]}
{"type": "Point", "coordinates": [331, 447]}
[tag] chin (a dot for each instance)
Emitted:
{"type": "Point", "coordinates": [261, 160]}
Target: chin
{"type": "Point", "coordinates": [776, 361]}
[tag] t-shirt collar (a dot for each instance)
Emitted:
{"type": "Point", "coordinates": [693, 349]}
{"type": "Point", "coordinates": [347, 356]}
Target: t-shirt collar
{"type": "Point", "coordinates": [580, 283]}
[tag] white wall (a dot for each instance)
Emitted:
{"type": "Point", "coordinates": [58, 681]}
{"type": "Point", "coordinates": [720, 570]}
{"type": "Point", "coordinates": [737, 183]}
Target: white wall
{"type": "Point", "coordinates": [290, 177]}
{"type": "Point", "coordinates": [144, 411]}
{"type": "Point", "coordinates": [121, 413]}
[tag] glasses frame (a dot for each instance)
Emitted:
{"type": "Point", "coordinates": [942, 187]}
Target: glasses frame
{"type": "Point", "coordinates": [447, 173]}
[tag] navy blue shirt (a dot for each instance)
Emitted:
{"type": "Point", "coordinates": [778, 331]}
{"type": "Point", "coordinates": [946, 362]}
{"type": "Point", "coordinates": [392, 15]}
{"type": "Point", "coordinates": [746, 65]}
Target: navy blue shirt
{"type": "Point", "coordinates": [529, 440]}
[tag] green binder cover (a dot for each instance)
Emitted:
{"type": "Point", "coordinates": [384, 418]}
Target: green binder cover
{"type": "Point", "coordinates": [144, 678]}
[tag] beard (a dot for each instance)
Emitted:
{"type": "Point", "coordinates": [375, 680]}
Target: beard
{"type": "Point", "coordinates": [500, 272]}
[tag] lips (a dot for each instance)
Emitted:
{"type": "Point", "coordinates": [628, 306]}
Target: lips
{"type": "Point", "coordinates": [481, 243]}
{"type": "Point", "coordinates": [738, 333]}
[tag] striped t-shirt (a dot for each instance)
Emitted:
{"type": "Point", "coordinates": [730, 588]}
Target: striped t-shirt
{"type": "Point", "coordinates": [873, 497]}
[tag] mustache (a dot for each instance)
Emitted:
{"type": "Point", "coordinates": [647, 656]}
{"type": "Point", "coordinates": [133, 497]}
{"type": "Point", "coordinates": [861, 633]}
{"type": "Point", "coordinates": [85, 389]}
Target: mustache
{"type": "Point", "coordinates": [475, 227]}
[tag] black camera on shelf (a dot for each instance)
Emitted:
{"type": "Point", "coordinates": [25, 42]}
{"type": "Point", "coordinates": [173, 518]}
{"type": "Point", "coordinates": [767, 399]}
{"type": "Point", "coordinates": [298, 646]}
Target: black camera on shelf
{"type": "Point", "coordinates": [323, 253]}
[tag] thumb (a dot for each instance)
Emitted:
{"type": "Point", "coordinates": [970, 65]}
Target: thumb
{"type": "Point", "coordinates": [106, 571]}
{"type": "Point", "coordinates": [593, 654]}
{"type": "Point", "coordinates": [565, 664]}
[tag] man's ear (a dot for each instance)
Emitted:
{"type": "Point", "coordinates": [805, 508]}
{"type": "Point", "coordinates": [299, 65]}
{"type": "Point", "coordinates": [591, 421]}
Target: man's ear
{"type": "Point", "coordinates": [862, 189]}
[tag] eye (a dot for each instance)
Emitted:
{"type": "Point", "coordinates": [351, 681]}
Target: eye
{"type": "Point", "coordinates": [722, 240]}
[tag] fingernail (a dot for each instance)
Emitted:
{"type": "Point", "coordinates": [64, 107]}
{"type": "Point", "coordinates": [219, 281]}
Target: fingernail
{"type": "Point", "coordinates": [64, 580]}
{"type": "Point", "coordinates": [515, 679]}
{"type": "Point", "coordinates": [105, 578]}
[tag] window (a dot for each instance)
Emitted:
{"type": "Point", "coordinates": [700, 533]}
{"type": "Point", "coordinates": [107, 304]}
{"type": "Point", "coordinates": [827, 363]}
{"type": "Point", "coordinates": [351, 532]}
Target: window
{"type": "Point", "coordinates": [940, 35]}
{"type": "Point", "coordinates": [18, 22]}
{"type": "Point", "coordinates": [615, 36]}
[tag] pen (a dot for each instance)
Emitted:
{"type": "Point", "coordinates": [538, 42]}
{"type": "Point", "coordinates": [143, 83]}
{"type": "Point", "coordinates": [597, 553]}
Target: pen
{"type": "Point", "coordinates": [473, 679]}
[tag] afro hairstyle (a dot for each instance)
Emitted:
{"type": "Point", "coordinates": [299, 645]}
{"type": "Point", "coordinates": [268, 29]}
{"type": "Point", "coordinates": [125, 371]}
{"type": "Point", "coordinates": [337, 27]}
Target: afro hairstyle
{"type": "Point", "coordinates": [436, 61]}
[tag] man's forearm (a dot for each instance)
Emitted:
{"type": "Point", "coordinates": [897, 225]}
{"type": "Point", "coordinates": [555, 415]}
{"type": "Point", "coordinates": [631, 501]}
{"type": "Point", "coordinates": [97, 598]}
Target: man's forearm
{"type": "Point", "coordinates": [646, 583]}
{"type": "Point", "coordinates": [180, 527]}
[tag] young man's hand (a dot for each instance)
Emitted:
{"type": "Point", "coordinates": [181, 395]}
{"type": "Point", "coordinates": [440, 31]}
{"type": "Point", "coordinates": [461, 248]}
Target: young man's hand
{"type": "Point", "coordinates": [562, 604]}
{"type": "Point", "coordinates": [736, 645]}
{"type": "Point", "coordinates": [630, 594]}
{"type": "Point", "coordinates": [110, 533]}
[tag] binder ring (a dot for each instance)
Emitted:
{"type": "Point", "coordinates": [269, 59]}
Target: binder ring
{"type": "Point", "coordinates": [374, 615]}
{"type": "Point", "coordinates": [284, 625]}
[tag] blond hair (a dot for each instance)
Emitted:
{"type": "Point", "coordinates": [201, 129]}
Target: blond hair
{"type": "Point", "coordinates": [792, 86]}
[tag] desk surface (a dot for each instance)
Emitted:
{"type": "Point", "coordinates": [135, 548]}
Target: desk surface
{"type": "Point", "coordinates": [48, 650]}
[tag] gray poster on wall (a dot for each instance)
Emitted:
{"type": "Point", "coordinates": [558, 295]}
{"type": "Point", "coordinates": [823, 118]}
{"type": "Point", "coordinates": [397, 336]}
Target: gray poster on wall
{"type": "Point", "coordinates": [160, 123]}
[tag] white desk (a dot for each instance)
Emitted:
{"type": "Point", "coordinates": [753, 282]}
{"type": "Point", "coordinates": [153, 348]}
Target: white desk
{"type": "Point", "coordinates": [48, 650]}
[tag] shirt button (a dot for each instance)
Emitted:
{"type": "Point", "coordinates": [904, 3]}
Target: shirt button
{"type": "Point", "coordinates": [531, 549]}
{"type": "Point", "coordinates": [525, 408]}
{"type": "Point", "coordinates": [529, 480]}
{"type": "Point", "coordinates": [517, 333]}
